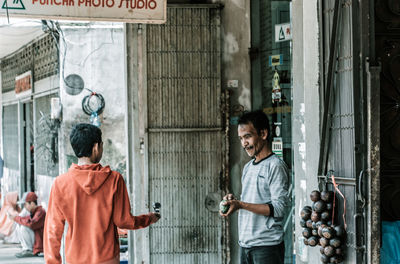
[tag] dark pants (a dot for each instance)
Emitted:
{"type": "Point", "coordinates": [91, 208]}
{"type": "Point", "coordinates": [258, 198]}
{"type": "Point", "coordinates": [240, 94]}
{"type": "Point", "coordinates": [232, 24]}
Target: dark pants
{"type": "Point", "coordinates": [263, 255]}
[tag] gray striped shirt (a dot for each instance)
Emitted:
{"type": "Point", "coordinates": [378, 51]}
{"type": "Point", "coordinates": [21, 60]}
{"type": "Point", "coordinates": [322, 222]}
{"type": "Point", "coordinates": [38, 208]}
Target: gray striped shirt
{"type": "Point", "coordinates": [265, 182]}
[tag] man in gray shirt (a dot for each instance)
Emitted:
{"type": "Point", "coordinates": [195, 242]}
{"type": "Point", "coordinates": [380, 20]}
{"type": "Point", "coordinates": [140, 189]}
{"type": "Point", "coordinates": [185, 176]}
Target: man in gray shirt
{"type": "Point", "coordinates": [264, 195]}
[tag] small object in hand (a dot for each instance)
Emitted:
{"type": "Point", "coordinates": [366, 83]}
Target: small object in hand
{"type": "Point", "coordinates": [157, 207]}
{"type": "Point", "coordinates": [223, 207]}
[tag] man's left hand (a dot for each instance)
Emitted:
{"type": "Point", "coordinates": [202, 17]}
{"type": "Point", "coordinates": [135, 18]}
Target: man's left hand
{"type": "Point", "coordinates": [233, 206]}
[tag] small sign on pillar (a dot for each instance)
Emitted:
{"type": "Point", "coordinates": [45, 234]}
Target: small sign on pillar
{"type": "Point", "coordinates": [283, 32]}
{"type": "Point", "coordinates": [277, 146]}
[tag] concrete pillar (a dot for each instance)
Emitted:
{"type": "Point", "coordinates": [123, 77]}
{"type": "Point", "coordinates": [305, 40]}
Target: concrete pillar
{"type": "Point", "coordinates": [306, 112]}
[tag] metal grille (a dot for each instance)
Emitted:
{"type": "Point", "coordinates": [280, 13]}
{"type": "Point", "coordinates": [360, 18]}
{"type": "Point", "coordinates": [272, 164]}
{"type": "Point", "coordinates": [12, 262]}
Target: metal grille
{"type": "Point", "coordinates": [40, 56]}
{"type": "Point", "coordinates": [342, 158]}
{"type": "Point", "coordinates": [185, 134]}
{"type": "Point", "coordinates": [10, 137]}
{"type": "Point", "coordinates": [183, 171]}
{"type": "Point", "coordinates": [46, 57]}
{"type": "Point", "coordinates": [46, 138]}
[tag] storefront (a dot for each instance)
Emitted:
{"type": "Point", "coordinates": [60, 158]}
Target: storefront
{"type": "Point", "coordinates": [29, 134]}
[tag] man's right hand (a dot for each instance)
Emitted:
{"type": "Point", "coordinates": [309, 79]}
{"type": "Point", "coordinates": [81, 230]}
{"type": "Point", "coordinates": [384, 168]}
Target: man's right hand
{"type": "Point", "coordinates": [154, 217]}
{"type": "Point", "coordinates": [229, 196]}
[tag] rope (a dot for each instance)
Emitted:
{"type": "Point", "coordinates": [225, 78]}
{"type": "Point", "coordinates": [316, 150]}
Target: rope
{"type": "Point", "coordinates": [335, 185]}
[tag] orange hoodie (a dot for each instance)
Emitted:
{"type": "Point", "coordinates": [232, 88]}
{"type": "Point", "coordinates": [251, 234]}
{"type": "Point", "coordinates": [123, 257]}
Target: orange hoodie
{"type": "Point", "coordinates": [94, 202]}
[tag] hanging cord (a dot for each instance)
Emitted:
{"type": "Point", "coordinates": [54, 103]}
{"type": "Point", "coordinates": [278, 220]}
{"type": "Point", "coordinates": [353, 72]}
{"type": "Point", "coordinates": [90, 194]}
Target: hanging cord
{"type": "Point", "coordinates": [8, 16]}
{"type": "Point", "coordinates": [86, 103]}
{"type": "Point", "coordinates": [335, 185]}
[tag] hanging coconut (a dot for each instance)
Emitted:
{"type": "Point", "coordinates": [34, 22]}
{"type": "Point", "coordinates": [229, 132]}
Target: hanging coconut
{"type": "Point", "coordinates": [315, 196]}
{"type": "Point", "coordinates": [320, 228]}
{"type": "Point", "coordinates": [319, 223]}
{"type": "Point", "coordinates": [329, 251]}
{"type": "Point", "coordinates": [319, 206]}
{"type": "Point", "coordinates": [325, 216]}
{"type": "Point", "coordinates": [314, 232]}
{"type": "Point", "coordinates": [327, 196]}
{"type": "Point", "coordinates": [328, 232]}
{"type": "Point", "coordinates": [306, 232]}
{"type": "Point", "coordinates": [309, 223]}
{"type": "Point", "coordinates": [324, 259]}
{"type": "Point", "coordinates": [324, 242]}
{"type": "Point", "coordinates": [335, 242]}
{"type": "Point", "coordinates": [315, 216]}
{"type": "Point", "coordinates": [336, 259]}
{"type": "Point", "coordinates": [313, 241]}
{"type": "Point", "coordinates": [314, 225]}
{"type": "Point", "coordinates": [305, 213]}
{"type": "Point", "coordinates": [339, 230]}
{"type": "Point", "coordinates": [321, 249]}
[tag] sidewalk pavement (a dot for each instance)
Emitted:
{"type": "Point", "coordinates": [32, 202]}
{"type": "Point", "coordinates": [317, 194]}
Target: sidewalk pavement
{"type": "Point", "coordinates": [7, 255]}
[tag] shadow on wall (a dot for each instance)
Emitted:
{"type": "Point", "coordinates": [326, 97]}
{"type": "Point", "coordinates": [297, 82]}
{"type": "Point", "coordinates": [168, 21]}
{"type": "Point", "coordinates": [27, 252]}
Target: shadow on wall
{"type": "Point", "coordinates": [112, 156]}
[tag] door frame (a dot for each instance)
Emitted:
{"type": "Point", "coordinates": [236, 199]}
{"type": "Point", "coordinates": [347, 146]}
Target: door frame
{"type": "Point", "coordinates": [137, 138]}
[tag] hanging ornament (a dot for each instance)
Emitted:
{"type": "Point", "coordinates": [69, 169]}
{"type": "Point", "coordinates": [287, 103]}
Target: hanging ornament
{"type": "Point", "coordinates": [276, 89]}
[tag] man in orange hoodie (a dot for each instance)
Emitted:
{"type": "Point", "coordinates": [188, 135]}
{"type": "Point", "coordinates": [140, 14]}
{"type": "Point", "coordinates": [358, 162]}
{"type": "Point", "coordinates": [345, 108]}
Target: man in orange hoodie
{"type": "Point", "coordinates": [94, 202]}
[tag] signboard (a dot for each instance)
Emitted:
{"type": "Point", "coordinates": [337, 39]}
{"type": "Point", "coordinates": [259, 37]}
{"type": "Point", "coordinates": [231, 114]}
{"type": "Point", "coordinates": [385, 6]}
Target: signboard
{"type": "Point", "coordinates": [278, 110]}
{"type": "Point", "coordinates": [283, 32]}
{"type": "Point", "coordinates": [23, 84]}
{"type": "Point", "coordinates": [275, 60]}
{"type": "Point", "coordinates": [277, 146]}
{"type": "Point", "coordinates": [129, 11]}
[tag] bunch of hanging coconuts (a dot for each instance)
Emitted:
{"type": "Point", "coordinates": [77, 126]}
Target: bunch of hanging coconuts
{"type": "Point", "coordinates": [319, 229]}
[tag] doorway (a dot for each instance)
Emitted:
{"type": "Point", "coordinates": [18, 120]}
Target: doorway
{"type": "Point", "coordinates": [28, 179]}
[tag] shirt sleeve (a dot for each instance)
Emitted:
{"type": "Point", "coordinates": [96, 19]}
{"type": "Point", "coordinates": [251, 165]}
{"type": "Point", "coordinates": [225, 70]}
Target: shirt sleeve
{"type": "Point", "coordinates": [53, 228]}
{"type": "Point", "coordinates": [278, 185]}
{"type": "Point", "coordinates": [36, 222]}
{"type": "Point", "coordinates": [122, 216]}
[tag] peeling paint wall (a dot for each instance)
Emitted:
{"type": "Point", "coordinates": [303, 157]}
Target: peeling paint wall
{"type": "Point", "coordinates": [306, 109]}
{"type": "Point", "coordinates": [95, 51]}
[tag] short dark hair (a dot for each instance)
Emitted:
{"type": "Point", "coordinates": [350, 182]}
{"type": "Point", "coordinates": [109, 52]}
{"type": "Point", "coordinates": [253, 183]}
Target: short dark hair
{"type": "Point", "coordinates": [83, 137]}
{"type": "Point", "coordinates": [259, 120]}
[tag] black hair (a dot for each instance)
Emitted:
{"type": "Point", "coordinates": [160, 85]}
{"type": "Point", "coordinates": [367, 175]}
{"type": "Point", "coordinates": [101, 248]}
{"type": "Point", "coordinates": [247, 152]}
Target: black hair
{"type": "Point", "coordinates": [34, 202]}
{"type": "Point", "coordinates": [259, 120]}
{"type": "Point", "coordinates": [83, 137]}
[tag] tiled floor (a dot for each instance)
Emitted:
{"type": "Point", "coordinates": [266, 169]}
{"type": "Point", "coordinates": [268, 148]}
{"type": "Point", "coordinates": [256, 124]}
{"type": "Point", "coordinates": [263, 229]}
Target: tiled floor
{"type": "Point", "coordinates": [7, 255]}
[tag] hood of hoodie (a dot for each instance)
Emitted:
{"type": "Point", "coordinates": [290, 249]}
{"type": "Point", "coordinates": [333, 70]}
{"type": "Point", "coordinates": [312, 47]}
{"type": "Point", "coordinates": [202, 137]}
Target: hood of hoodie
{"type": "Point", "coordinates": [90, 177]}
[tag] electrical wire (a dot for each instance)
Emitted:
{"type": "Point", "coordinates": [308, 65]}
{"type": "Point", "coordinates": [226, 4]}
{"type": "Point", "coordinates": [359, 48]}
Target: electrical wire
{"type": "Point", "coordinates": [88, 100]}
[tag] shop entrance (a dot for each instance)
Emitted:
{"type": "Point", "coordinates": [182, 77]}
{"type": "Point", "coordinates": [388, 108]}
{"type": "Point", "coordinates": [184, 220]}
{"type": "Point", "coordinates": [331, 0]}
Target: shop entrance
{"type": "Point", "coordinates": [270, 54]}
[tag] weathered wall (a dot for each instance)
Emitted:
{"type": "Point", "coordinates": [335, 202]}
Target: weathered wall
{"type": "Point", "coordinates": [95, 51]}
{"type": "Point", "coordinates": [306, 111]}
{"type": "Point", "coordinates": [235, 30]}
